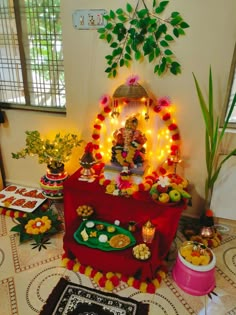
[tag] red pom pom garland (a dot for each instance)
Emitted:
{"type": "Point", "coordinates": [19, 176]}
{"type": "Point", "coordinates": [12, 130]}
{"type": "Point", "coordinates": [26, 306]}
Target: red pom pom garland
{"type": "Point", "coordinates": [111, 280]}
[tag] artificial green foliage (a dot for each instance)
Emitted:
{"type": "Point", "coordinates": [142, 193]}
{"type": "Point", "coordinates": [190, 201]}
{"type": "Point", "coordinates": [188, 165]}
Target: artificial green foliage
{"type": "Point", "coordinates": [213, 136]}
{"type": "Point", "coordinates": [53, 152]}
{"type": "Point", "coordinates": [40, 238]}
{"type": "Point", "coordinates": [135, 33]}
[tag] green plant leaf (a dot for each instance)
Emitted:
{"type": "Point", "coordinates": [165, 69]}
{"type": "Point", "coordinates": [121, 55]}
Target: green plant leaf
{"type": "Point", "coordinates": [141, 14]}
{"type": "Point", "coordinates": [168, 52]}
{"type": "Point", "coordinates": [122, 18]}
{"type": "Point", "coordinates": [114, 45]}
{"type": "Point", "coordinates": [163, 64]}
{"type": "Point", "coordinates": [169, 37]}
{"type": "Point", "coordinates": [112, 14]}
{"type": "Point", "coordinates": [159, 10]}
{"type": "Point", "coordinates": [181, 31]}
{"type": "Point", "coordinates": [101, 30]}
{"type": "Point", "coordinates": [114, 73]}
{"type": "Point", "coordinates": [128, 49]}
{"type": "Point", "coordinates": [108, 69]}
{"type": "Point", "coordinates": [119, 11]}
{"type": "Point", "coordinates": [18, 228]}
{"type": "Point", "coordinates": [164, 3]}
{"type": "Point", "coordinates": [108, 57]}
{"type": "Point", "coordinates": [175, 68]}
{"type": "Point", "coordinates": [156, 68]}
{"type": "Point", "coordinates": [128, 57]}
{"type": "Point", "coordinates": [174, 14]}
{"type": "Point", "coordinates": [176, 32]}
{"type": "Point", "coordinates": [102, 36]}
{"type": "Point", "coordinates": [106, 17]}
{"type": "Point", "coordinates": [151, 57]}
{"type": "Point", "coordinates": [129, 8]}
{"type": "Point", "coordinates": [203, 106]}
{"type": "Point", "coordinates": [157, 51]}
{"type": "Point", "coordinates": [24, 237]}
{"type": "Point", "coordinates": [175, 21]}
{"type": "Point", "coordinates": [109, 38]}
{"type": "Point", "coordinates": [122, 62]}
{"type": "Point", "coordinates": [184, 24]}
{"type": "Point", "coordinates": [216, 173]}
{"type": "Point", "coordinates": [164, 43]}
{"type": "Point", "coordinates": [109, 26]}
{"type": "Point", "coordinates": [138, 55]}
{"type": "Point", "coordinates": [232, 106]}
{"type": "Point", "coordinates": [127, 64]}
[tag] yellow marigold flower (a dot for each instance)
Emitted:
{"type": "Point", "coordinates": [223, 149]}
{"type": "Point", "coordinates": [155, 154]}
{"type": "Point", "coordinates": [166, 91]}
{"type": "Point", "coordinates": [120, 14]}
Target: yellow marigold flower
{"type": "Point", "coordinates": [38, 225]}
{"type": "Point", "coordinates": [130, 191]}
{"type": "Point", "coordinates": [42, 229]}
{"type": "Point", "coordinates": [35, 231]}
{"type": "Point", "coordinates": [44, 218]}
{"type": "Point", "coordinates": [110, 188]}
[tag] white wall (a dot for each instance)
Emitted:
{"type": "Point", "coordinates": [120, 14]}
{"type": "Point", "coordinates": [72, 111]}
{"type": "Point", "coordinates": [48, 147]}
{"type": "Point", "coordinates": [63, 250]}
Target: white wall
{"type": "Point", "coordinates": [209, 41]}
{"type": "Point", "coordinates": [223, 197]}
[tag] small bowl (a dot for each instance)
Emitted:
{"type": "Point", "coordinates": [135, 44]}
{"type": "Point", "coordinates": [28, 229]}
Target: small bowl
{"type": "Point", "coordinates": [90, 224]}
{"type": "Point", "coordinates": [103, 238]}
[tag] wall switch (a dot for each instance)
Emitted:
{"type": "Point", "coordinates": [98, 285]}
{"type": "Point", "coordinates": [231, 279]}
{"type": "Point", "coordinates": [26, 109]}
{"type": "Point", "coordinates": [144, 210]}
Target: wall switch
{"type": "Point", "coordinates": [89, 19]}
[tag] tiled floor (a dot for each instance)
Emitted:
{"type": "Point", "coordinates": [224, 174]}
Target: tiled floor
{"type": "Point", "coordinates": [27, 276]}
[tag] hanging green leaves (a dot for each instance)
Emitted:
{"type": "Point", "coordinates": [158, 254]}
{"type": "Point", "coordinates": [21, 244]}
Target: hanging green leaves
{"type": "Point", "coordinates": [135, 33]}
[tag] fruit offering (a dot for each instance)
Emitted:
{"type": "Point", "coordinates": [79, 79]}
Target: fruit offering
{"type": "Point", "coordinates": [141, 252]}
{"type": "Point", "coordinates": [84, 211]}
{"type": "Point", "coordinates": [170, 189]}
{"type": "Point", "coordinates": [196, 253]}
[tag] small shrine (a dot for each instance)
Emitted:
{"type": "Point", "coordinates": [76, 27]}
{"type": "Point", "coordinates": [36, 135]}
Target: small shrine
{"type": "Point", "coordinates": [137, 140]}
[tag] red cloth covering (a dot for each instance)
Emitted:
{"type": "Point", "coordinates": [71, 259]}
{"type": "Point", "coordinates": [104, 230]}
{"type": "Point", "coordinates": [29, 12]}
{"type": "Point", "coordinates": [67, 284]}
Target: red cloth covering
{"type": "Point", "coordinates": [109, 208]}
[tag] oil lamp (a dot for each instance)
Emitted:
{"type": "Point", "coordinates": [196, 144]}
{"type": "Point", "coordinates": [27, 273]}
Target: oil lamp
{"type": "Point", "coordinates": [148, 232]}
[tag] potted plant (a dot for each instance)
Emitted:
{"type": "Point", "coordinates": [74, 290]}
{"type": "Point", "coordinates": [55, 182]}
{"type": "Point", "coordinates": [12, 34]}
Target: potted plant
{"type": "Point", "coordinates": [213, 137]}
{"type": "Point", "coordinates": [53, 152]}
{"type": "Point", "coordinates": [138, 32]}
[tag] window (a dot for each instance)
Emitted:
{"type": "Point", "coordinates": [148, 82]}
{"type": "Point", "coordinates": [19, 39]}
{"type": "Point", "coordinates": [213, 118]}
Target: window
{"type": "Point", "coordinates": [231, 90]}
{"type": "Point", "coordinates": [31, 57]}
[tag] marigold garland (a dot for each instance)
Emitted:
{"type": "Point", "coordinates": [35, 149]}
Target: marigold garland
{"type": "Point", "coordinates": [12, 213]}
{"type": "Point", "coordinates": [18, 214]}
{"type": "Point", "coordinates": [111, 280]}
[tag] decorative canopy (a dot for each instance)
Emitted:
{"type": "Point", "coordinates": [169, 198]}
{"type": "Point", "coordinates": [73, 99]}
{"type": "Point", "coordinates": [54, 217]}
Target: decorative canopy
{"type": "Point", "coordinates": [130, 91]}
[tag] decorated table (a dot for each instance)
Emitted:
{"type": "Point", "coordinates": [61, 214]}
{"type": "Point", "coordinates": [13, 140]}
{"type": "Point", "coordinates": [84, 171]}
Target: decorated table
{"type": "Point", "coordinates": [109, 208]}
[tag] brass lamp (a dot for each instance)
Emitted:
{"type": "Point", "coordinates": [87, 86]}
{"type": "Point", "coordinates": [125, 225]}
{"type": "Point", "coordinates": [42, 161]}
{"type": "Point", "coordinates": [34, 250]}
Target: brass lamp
{"type": "Point", "coordinates": [148, 232]}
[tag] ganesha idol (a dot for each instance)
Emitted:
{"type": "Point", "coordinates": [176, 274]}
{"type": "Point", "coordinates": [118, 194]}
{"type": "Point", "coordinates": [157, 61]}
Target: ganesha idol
{"type": "Point", "coordinates": [128, 151]}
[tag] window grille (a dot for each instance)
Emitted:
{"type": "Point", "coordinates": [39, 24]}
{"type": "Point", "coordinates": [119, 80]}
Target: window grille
{"type": "Point", "coordinates": [31, 57]}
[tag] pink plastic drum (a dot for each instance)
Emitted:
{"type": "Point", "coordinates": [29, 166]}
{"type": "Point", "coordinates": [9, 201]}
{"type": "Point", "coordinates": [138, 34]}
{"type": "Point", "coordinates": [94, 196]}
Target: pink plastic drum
{"type": "Point", "coordinates": [195, 280]}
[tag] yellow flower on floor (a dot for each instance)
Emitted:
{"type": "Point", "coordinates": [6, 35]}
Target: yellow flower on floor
{"type": "Point", "coordinates": [38, 225]}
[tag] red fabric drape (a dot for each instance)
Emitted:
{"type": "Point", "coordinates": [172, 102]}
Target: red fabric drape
{"type": "Point", "coordinates": [110, 208]}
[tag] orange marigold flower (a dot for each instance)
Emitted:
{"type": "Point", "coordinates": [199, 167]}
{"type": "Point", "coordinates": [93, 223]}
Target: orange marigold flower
{"type": "Point", "coordinates": [38, 225]}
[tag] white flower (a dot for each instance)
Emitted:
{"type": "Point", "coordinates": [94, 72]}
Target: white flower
{"type": "Point", "coordinates": [163, 181]}
{"type": "Point", "coordinates": [116, 192]}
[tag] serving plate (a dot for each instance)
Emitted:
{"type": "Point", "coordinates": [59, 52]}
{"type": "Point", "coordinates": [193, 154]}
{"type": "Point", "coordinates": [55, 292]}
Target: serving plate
{"type": "Point", "coordinates": [118, 239]}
